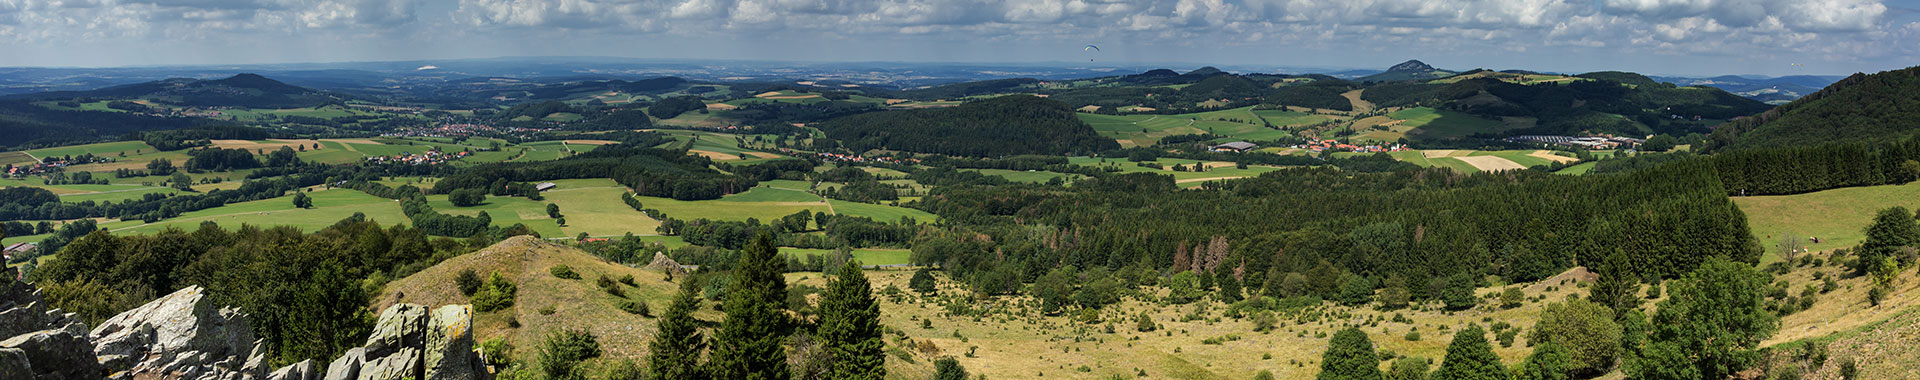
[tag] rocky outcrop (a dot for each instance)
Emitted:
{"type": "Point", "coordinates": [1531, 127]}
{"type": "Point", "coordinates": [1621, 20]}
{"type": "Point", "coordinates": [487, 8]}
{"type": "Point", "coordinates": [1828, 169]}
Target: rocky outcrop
{"type": "Point", "coordinates": [666, 264]}
{"type": "Point", "coordinates": [185, 336]}
{"type": "Point", "coordinates": [408, 343]}
{"type": "Point", "coordinates": [181, 335]}
{"type": "Point", "coordinates": [37, 343]}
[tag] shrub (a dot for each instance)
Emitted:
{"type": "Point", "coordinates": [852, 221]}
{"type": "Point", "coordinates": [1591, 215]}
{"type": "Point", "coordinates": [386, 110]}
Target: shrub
{"type": "Point", "coordinates": [468, 282]}
{"type": "Point", "coordinates": [497, 352]}
{"type": "Point", "coordinates": [1849, 369]}
{"type": "Point", "coordinates": [948, 368]}
{"type": "Point", "coordinates": [1144, 323]}
{"type": "Point", "coordinates": [1879, 293]}
{"type": "Point", "coordinates": [562, 352]}
{"type": "Point", "coordinates": [563, 271]}
{"type": "Point", "coordinates": [1412, 336]}
{"type": "Point", "coordinates": [1512, 297]}
{"type": "Point", "coordinates": [496, 294]}
{"type": "Point", "coordinates": [637, 307]}
{"type": "Point", "coordinates": [628, 279]}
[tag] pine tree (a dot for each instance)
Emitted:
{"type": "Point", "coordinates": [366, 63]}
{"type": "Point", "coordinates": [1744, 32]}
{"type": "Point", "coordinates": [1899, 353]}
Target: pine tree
{"type": "Point", "coordinates": [676, 351]}
{"type": "Point", "coordinates": [1350, 356]}
{"type": "Point", "coordinates": [1469, 357]}
{"type": "Point", "coordinates": [749, 344]}
{"type": "Point", "coordinates": [850, 327]}
{"type": "Point", "coordinates": [1616, 288]}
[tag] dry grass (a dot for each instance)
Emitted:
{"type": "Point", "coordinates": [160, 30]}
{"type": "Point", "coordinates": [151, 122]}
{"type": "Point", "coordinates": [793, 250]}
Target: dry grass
{"type": "Point", "coordinates": [1549, 156]}
{"type": "Point", "coordinates": [577, 304]}
{"type": "Point", "coordinates": [715, 155]}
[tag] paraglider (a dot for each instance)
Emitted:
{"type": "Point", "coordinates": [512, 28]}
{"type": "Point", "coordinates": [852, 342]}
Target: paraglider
{"type": "Point", "coordinates": [1091, 48]}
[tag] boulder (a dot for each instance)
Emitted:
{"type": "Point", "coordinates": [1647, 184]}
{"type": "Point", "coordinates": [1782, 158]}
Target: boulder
{"type": "Point", "coordinates": [666, 264]}
{"type": "Point", "coordinates": [347, 367]}
{"type": "Point", "coordinates": [400, 325]}
{"type": "Point", "coordinates": [402, 364]}
{"type": "Point", "coordinates": [57, 354]}
{"type": "Point", "coordinates": [449, 345]}
{"type": "Point", "coordinates": [184, 323]}
{"type": "Point", "coordinates": [297, 371]}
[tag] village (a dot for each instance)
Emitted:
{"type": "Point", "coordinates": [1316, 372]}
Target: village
{"type": "Point", "coordinates": [1584, 142]}
{"type": "Point", "coordinates": [431, 157]}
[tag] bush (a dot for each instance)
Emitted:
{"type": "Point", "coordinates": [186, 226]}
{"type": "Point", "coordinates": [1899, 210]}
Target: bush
{"type": "Point", "coordinates": [562, 271]}
{"type": "Point", "coordinates": [922, 281]}
{"type": "Point", "coordinates": [1412, 336]}
{"type": "Point", "coordinates": [497, 352]}
{"type": "Point", "coordinates": [496, 294]}
{"type": "Point", "coordinates": [468, 281]}
{"type": "Point", "coordinates": [561, 354]}
{"type": "Point", "coordinates": [948, 368]}
{"type": "Point", "coordinates": [1849, 369]}
{"type": "Point", "coordinates": [1144, 323]}
{"type": "Point", "coordinates": [1512, 297]}
{"type": "Point", "coordinates": [628, 279]}
{"type": "Point", "coordinates": [637, 307]}
{"type": "Point", "coordinates": [1879, 293]}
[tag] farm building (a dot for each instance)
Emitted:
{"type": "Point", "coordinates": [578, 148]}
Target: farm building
{"type": "Point", "coordinates": [19, 248]}
{"type": "Point", "coordinates": [544, 186]}
{"type": "Point", "coordinates": [1236, 146]}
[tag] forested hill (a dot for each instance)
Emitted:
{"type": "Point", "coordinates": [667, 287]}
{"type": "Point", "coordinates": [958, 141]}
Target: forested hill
{"type": "Point", "coordinates": [1003, 126]}
{"type": "Point", "coordinates": [1877, 107]}
{"type": "Point", "coordinates": [242, 90]}
{"type": "Point", "coordinates": [29, 125]}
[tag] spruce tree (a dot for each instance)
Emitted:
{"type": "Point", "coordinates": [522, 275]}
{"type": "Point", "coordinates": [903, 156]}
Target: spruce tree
{"type": "Point", "coordinates": [749, 344]}
{"type": "Point", "coordinates": [850, 327]}
{"type": "Point", "coordinates": [676, 350]}
{"type": "Point", "coordinates": [1350, 356]}
{"type": "Point", "coordinates": [1616, 288]}
{"type": "Point", "coordinates": [1469, 357]}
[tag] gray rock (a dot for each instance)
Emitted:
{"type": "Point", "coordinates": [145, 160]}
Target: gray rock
{"type": "Point", "coordinates": [403, 363]}
{"type": "Point", "coordinates": [401, 325]}
{"type": "Point", "coordinates": [256, 365]}
{"type": "Point", "coordinates": [347, 367]}
{"type": "Point", "coordinates": [13, 363]}
{"type": "Point", "coordinates": [57, 355]}
{"type": "Point", "coordinates": [298, 371]}
{"type": "Point", "coordinates": [449, 346]}
{"type": "Point", "coordinates": [182, 323]}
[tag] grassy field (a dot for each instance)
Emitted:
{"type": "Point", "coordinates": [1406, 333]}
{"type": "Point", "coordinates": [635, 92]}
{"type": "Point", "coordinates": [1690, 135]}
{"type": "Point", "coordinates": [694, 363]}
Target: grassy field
{"type": "Point", "coordinates": [1578, 169]}
{"type": "Point", "coordinates": [867, 256]}
{"type": "Point", "coordinates": [116, 194]}
{"type": "Point", "coordinates": [1216, 170]}
{"type": "Point", "coordinates": [1838, 217]}
{"type": "Point", "coordinates": [1139, 130]}
{"type": "Point", "coordinates": [1028, 176]}
{"type": "Point", "coordinates": [16, 158]}
{"type": "Point", "coordinates": [765, 193]}
{"type": "Point", "coordinates": [593, 207]}
{"type": "Point", "coordinates": [1429, 123]}
{"type": "Point", "coordinates": [108, 149]}
{"type": "Point", "coordinates": [329, 206]}
{"type": "Point", "coordinates": [881, 213]}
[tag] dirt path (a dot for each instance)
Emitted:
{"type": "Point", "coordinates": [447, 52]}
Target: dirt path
{"type": "Point", "coordinates": [1490, 163]}
{"type": "Point", "coordinates": [1360, 106]}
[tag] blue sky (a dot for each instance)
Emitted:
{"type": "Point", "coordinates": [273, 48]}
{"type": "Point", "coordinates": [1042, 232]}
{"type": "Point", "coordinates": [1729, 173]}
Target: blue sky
{"type": "Point", "coordinates": [1670, 37]}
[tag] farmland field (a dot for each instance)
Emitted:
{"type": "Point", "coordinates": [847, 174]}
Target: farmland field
{"type": "Point", "coordinates": [1430, 123]}
{"type": "Point", "coordinates": [882, 213]}
{"type": "Point", "coordinates": [1838, 217]}
{"type": "Point", "coordinates": [330, 206]}
{"type": "Point", "coordinates": [109, 149]}
{"type": "Point", "coordinates": [1030, 176]}
{"type": "Point", "coordinates": [16, 158]}
{"type": "Point", "coordinates": [1140, 130]}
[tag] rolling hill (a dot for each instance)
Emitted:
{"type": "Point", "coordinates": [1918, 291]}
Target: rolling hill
{"type": "Point", "coordinates": [1862, 107]}
{"type": "Point", "coordinates": [241, 90]}
{"type": "Point", "coordinates": [1405, 71]}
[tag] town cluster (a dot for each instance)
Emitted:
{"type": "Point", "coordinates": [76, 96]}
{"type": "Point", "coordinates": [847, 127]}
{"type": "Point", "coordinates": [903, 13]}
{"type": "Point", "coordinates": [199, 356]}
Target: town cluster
{"type": "Point", "coordinates": [1333, 145]}
{"type": "Point", "coordinates": [1586, 142]}
{"type": "Point", "coordinates": [836, 157]}
{"type": "Point", "coordinates": [460, 131]}
{"type": "Point", "coordinates": [51, 164]}
{"type": "Point", "coordinates": [431, 157]}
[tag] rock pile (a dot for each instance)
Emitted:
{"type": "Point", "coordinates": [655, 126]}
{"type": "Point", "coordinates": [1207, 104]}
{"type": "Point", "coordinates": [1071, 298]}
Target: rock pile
{"type": "Point", "coordinates": [37, 343]}
{"type": "Point", "coordinates": [409, 343]}
{"type": "Point", "coordinates": [180, 336]}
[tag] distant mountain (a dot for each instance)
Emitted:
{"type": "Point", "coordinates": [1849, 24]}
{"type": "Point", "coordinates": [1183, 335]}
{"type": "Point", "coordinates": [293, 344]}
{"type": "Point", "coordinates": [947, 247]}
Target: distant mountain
{"type": "Point", "coordinates": [1774, 90]}
{"type": "Point", "coordinates": [1879, 107]}
{"type": "Point", "coordinates": [242, 90]}
{"type": "Point", "coordinates": [1407, 71]}
{"type": "Point", "coordinates": [1613, 102]}
{"type": "Point", "coordinates": [1412, 66]}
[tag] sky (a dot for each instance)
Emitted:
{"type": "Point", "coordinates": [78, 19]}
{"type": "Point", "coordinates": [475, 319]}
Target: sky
{"type": "Point", "coordinates": [1660, 37]}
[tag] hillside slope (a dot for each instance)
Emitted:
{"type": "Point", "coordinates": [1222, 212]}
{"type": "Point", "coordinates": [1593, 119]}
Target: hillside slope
{"type": "Point", "coordinates": [240, 90]}
{"type": "Point", "coordinates": [575, 304]}
{"type": "Point", "coordinates": [1876, 107]}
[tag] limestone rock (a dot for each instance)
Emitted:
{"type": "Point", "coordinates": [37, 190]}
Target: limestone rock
{"type": "Point", "coordinates": [401, 325]}
{"type": "Point", "coordinates": [57, 354]}
{"type": "Point", "coordinates": [347, 367]}
{"type": "Point", "coordinates": [449, 346]}
{"type": "Point", "coordinates": [298, 371]}
{"type": "Point", "coordinates": [666, 264]}
{"type": "Point", "coordinates": [402, 364]}
{"type": "Point", "coordinates": [179, 324]}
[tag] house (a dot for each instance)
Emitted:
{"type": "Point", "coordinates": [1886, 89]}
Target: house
{"type": "Point", "coordinates": [544, 186]}
{"type": "Point", "coordinates": [1236, 146]}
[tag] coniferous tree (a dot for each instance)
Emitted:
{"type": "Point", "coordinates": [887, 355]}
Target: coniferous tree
{"type": "Point", "coordinates": [750, 342]}
{"type": "Point", "coordinates": [676, 350]}
{"type": "Point", "coordinates": [1616, 288]}
{"type": "Point", "coordinates": [850, 327]}
{"type": "Point", "coordinates": [1469, 357]}
{"type": "Point", "coordinates": [1350, 356]}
